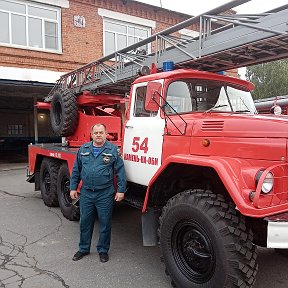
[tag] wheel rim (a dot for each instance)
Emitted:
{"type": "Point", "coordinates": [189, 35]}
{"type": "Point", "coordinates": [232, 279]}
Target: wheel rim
{"type": "Point", "coordinates": [58, 113]}
{"type": "Point", "coordinates": [47, 181]}
{"type": "Point", "coordinates": [65, 191]}
{"type": "Point", "coordinates": [193, 251]}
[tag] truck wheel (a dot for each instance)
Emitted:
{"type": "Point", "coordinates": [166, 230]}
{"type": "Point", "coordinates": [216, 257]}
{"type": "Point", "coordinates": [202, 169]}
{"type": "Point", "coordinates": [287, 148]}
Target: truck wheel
{"type": "Point", "coordinates": [283, 252]}
{"type": "Point", "coordinates": [205, 242]}
{"type": "Point", "coordinates": [48, 181]}
{"type": "Point", "coordinates": [68, 210]}
{"type": "Point", "coordinates": [64, 113]}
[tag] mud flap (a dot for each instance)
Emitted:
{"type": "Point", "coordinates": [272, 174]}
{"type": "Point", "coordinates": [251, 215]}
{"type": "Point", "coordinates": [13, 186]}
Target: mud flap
{"type": "Point", "coordinates": [150, 223]}
{"type": "Point", "coordinates": [34, 178]}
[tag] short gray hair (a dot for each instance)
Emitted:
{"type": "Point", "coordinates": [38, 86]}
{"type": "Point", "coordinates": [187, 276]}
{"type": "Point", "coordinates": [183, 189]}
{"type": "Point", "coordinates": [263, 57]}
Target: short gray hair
{"type": "Point", "coordinates": [98, 125]}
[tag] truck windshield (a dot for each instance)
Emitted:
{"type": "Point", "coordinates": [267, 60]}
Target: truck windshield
{"type": "Point", "coordinates": [206, 95]}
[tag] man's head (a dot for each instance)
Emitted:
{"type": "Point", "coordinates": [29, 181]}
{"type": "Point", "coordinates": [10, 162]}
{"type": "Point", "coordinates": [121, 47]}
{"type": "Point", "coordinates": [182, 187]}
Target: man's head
{"type": "Point", "coordinates": [99, 133]}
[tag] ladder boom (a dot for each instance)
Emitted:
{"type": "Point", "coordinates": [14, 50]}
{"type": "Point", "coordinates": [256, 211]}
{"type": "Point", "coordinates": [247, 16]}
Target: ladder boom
{"type": "Point", "coordinates": [242, 40]}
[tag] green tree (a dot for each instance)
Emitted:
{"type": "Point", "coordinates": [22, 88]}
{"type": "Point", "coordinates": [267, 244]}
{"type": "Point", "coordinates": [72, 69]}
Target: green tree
{"type": "Point", "coordinates": [270, 79]}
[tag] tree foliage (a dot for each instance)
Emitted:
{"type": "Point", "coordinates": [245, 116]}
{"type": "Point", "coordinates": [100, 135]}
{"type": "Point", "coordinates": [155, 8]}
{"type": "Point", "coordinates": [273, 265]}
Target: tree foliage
{"type": "Point", "coordinates": [270, 79]}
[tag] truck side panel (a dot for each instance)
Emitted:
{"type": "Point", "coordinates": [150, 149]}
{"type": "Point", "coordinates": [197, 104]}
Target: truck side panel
{"type": "Point", "coordinates": [38, 151]}
{"type": "Point", "coordinates": [238, 178]}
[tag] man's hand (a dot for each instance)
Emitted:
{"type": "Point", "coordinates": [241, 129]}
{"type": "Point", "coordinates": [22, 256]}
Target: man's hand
{"type": "Point", "coordinates": [119, 197]}
{"type": "Point", "coordinates": [74, 194]}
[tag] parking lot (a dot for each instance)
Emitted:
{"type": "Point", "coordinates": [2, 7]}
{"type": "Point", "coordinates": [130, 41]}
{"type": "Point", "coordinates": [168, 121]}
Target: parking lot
{"type": "Point", "coordinates": [37, 244]}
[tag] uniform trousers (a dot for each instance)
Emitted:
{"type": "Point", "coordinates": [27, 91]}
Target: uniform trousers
{"type": "Point", "coordinates": [96, 203]}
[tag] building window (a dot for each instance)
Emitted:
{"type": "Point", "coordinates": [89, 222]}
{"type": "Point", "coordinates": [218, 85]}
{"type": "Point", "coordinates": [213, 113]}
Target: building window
{"type": "Point", "coordinates": [29, 25]}
{"type": "Point", "coordinates": [118, 35]}
{"type": "Point", "coordinates": [15, 129]}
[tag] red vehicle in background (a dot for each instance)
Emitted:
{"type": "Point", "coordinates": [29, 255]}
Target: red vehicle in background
{"type": "Point", "coordinates": [276, 105]}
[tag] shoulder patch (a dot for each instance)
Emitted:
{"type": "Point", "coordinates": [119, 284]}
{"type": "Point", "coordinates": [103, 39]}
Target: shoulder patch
{"type": "Point", "coordinates": [119, 152]}
{"type": "Point", "coordinates": [107, 157]}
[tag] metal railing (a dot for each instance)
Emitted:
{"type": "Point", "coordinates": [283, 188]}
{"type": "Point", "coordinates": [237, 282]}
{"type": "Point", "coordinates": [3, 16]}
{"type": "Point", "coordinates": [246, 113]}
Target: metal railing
{"type": "Point", "coordinates": [241, 40]}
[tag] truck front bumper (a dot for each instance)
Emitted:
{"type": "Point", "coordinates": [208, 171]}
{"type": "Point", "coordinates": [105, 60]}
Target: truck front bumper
{"type": "Point", "coordinates": [277, 231]}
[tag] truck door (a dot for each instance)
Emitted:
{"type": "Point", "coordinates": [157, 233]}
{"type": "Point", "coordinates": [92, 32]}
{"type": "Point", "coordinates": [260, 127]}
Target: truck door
{"type": "Point", "coordinates": [143, 139]}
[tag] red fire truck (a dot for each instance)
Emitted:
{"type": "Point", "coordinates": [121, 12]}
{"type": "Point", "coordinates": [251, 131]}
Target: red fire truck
{"type": "Point", "coordinates": [209, 174]}
{"type": "Point", "coordinates": [273, 105]}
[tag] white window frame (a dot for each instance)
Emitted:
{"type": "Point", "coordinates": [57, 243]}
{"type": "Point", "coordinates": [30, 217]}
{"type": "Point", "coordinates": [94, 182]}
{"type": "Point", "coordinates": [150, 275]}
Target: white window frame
{"type": "Point", "coordinates": [127, 25]}
{"type": "Point", "coordinates": [43, 19]}
{"type": "Point", "coordinates": [130, 21]}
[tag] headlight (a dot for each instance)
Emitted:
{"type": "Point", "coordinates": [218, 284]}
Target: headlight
{"type": "Point", "coordinates": [268, 182]}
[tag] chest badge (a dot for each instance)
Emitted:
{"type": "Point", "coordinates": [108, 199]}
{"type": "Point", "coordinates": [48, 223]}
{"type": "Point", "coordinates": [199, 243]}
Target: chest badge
{"type": "Point", "coordinates": [106, 158]}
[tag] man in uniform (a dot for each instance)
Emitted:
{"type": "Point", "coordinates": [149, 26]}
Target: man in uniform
{"type": "Point", "coordinates": [96, 164]}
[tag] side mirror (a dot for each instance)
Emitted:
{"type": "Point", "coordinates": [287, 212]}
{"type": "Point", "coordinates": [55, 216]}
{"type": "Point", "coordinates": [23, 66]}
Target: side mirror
{"type": "Point", "coordinates": [276, 110]}
{"type": "Point", "coordinates": [153, 94]}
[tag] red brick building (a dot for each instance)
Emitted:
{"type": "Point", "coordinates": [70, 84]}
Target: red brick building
{"type": "Point", "coordinates": [41, 39]}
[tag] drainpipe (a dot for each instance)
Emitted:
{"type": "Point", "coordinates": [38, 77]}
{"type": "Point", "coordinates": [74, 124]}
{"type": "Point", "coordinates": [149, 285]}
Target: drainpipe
{"type": "Point", "coordinates": [35, 120]}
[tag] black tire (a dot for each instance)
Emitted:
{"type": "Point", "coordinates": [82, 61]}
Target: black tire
{"type": "Point", "coordinates": [68, 210]}
{"type": "Point", "coordinates": [48, 181]}
{"type": "Point", "coordinates": [282, 252]}
{"type": "Point", "coordinates": [64, 113]}
{"type": "Point", "coordinates": [205, 242]}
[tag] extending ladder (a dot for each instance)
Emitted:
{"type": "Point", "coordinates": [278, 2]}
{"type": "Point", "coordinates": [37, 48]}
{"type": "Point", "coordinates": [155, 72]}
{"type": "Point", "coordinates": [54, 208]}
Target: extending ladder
{"type": "Point", "coordinates": [241, 40]}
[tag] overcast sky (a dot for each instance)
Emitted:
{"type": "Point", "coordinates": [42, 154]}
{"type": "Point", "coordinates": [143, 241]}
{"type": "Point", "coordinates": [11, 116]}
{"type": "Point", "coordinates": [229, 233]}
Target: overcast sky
{"type": "Point", "coordinates": [195, 7]}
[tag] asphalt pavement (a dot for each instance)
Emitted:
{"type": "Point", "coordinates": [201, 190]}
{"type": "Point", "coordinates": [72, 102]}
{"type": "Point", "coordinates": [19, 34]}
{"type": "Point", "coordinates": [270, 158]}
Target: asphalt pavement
{"type": "Point", "coordinates": [37, 244]}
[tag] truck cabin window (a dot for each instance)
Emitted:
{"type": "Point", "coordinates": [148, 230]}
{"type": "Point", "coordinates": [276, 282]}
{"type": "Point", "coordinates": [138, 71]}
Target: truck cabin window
{"type": "Point", "coordinates": [139, 106]}
{"type": "Point", "coordinates": [201, 95]}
